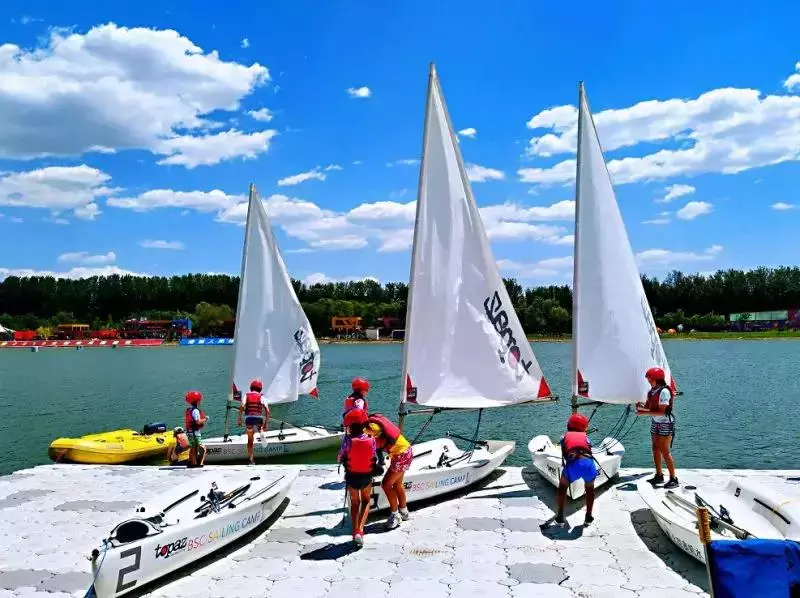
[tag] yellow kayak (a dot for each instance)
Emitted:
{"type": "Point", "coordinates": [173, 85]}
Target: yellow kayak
{"type": "Point", "coordinates": [117, 446]}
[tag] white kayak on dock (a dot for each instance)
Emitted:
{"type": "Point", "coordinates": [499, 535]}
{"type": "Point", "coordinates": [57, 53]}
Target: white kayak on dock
{"type": "Point", "coordinates": [743, 510]}
{"type": "Point", "coordinates": [547, 461]}
{"type": "Point", "coordinates": [184, 524]}
{"type": "Point", "coordinates": [440, 467]}
{"type": "Point", "coordinates": [287, 441]}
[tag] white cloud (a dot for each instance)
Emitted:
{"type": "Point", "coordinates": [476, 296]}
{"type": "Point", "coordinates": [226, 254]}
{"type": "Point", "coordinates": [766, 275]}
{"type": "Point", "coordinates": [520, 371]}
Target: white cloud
{"type": "Point", "coordinates": [793, 82]}
{"type": "Point", "coordinates": [562, 210]}
{"type": "Point", "coordinates": [657, 221]}
{"type": "Point", "coordinates": [469, 133]}
{"type": "Point", "coordinates": [115, 88]}
{"type": "Point", "coordinates": [384, 210]}
{"type": "Point", "coordinates": [204, 150]}
{"type": "Point", "coordinates": [665, 257]}
{"type": "Point", "coordinates": [481, 174]}
{"type": "Point", "coordinates": [74, 273]}
{"type": "Point", "coordinates": [676, 191]}
{"type": "Point", "coordinates": [357, 162]}
{"type": "Point", "coordinates": [57, 188]}
{"type": "Point", "coordinates": [87, 259]}
{"type": "Point", "coordinates": [519, 231]}
{"type": "Point", "coordinates": [263, 115]}
{"type": "Point", "coordinates": [158, 244]}
{"type": "Point", "coordinates": [781, 206]}
{"type": "Point", "coordinates": [16, 220]}
{"type": "Point", "coordinates": [693, 209]}
{"type": "Point", "coordinates": [330, 167]}
{"type": "Point", "coordinates": [404, 162]}
{"type": "Point", "coordinates": [543, 269]}
{"type": "Point", "coordinates": [724, 130]}
{"type": "Point", "coordinates": [202, 201]}
{"type": "Point", "coordinates": [359, 92]}
{"type": "Point", "coordinates": [296, 179]}
{"type": "Point", "coordinates": [245, 43]}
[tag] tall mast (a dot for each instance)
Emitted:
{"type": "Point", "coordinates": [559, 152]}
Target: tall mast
{"type": "Point", "coordinates": [428, 97]}
{"type": "Point", "coordinates": [575, 260]}
{"type": "Point", "coordinates": [252, 195]}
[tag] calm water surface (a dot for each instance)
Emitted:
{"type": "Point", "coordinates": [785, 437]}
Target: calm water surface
{"type": "Point", "coordinates": [740, 409]}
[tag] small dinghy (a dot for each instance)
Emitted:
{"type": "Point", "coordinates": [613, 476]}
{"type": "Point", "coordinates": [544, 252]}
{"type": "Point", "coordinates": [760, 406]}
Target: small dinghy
{"type": "Point", "coordinates": [614, 336]}
{"type": "Point", "coordinates": [273, 343]}
{"type": "Point", "coordinates": [548, 462]}
{"type": "Point", "coordinates": [186, 524]}
{"type": "Point", "coordinates": [114, 447]}
{"type": "Point", "coordinates": [743, 510]}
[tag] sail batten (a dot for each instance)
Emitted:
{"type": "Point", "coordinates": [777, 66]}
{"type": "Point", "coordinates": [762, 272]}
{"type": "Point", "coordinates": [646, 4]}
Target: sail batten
{"type": "Point", "coordinates": [273, 338]}
{"type": "Point", "coordinates": [465, 346]}
{"type": "Point", "coordinates": [614, 335]}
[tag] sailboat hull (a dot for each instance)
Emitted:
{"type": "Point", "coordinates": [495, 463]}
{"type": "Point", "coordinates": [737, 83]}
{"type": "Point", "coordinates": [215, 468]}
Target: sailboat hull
{"type": "Point", "coordinates": [762, 511]}
{"type": "Point", "coordinates": [287, 441]}
{"type": "Point", "coordinates": [547, 461]}
{"type": "Point", "coordinates": [426, 479]}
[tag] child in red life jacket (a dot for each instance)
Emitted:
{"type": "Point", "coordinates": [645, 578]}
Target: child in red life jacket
{"type": "Point", "coordinates": [388, 437]}
{"type": "Point", "coordinates": [358, 398]}
{"type": "Point", "coordinates": [181, 446]}
{"type": "Point", "coordinates": [576, 450]}
{"type": "Point", "coordinates": [195, 419]}
{"type": "Point", "coordinates": [659, 403]}
{"type": "Point", "coordinates": [256, 415]}
{"type": "Point", "coordinates": [359, 457]}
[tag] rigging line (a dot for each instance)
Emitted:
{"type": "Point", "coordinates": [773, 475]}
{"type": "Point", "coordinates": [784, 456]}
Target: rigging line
{"type": "Point", "coordinates": [422, 430]}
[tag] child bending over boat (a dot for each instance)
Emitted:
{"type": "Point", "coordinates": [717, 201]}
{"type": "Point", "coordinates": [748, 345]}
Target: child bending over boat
{"type": "Point", "coordinates": [388, 437]}
{"type": "Point", "coordinates": [579, 464]}
{"type": "Point", "coordinates": [181, 445]}
{"type": "Point", "coordinates": [359, 457]}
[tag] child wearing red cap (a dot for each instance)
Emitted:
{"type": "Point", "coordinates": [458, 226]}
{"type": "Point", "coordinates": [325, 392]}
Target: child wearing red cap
{"type": "Point", "coordinates": [576, 452]}
{"type": "Point", "coordinates": [358, 454]}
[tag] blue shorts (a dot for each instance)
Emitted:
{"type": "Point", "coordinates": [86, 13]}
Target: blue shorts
{"type": "Point", "coordinates": [582, 468]}
{"type": "Point", "coordinates": [253, 421]}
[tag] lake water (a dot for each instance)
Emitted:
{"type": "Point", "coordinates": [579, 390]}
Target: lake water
{"type": "Point", "coordinates": [740, 408]}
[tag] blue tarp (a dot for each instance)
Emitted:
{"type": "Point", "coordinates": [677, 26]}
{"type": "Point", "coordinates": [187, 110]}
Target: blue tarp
{"type": "Point", "coordinates": [755, 568]}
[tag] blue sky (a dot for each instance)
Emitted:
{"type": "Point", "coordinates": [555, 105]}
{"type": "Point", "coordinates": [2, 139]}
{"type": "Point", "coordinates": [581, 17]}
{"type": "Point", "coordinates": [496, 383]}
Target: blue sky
{"type": "Point", "coordinates": [120, 122]}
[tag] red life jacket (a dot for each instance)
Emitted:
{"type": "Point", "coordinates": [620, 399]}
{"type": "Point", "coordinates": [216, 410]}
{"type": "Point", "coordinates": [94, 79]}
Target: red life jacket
{"type": "Point", "coordinates": [576, 444]}
{"type": "Point", "coordinates": [350, 403]}
{"type": "Point", "coordinates": [389, 430]}
{"type": "Point", "coordinates": [182, 441]}
{"type": "Point", "coordinates": [253, 405]}
{"type": "Point", "coordinates": [653, 396]}
{"type": "Point", "coordinates": [360, 455]}
{"type": "Point", "coordinates": [190, 424]}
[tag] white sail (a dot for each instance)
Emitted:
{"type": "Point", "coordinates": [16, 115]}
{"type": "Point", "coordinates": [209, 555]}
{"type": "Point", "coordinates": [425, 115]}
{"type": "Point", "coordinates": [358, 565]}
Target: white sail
{"type": "Point", "coordinates": [465, 346]}
{"type": "Point", "coordinates": [615, 339]}
{"type": "Point", "coordinates": [273, 338]}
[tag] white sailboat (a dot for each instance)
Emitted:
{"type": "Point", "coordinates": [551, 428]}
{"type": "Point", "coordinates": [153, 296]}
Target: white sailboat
{"type": "Point", "coordinates": [464, 346]}
{"type": "Point", "coordinates": [274, 343]}
{"type": "Point", "coordinates": [614, 337]}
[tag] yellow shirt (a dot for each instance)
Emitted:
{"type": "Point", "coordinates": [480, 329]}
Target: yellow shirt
{"type": "Point", "coordinates": [398, 448]}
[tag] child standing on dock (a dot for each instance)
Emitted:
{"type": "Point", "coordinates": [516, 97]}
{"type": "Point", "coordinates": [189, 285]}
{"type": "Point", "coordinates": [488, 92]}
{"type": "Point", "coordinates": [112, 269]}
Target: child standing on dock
{"type": "Point", "coordinates": [256, 415]}
{"type": "Point", "coordinates": [662, 428]}
{"type": "Point", "coordinates": [579, 464]}
{"type": "Point", "coordinates": [195, 420]}
{"type": "Point", "coordinates": [359, 457]}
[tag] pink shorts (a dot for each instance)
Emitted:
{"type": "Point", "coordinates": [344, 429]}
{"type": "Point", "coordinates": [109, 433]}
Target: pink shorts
{"type": "Point", "coordinates": [402, 461]}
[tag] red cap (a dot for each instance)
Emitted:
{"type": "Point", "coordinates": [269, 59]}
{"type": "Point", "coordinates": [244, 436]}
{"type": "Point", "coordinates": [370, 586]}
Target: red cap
{"type": "Point", "coordinates": [256, 385]}
{"type": "Point", "coordinates": [355, 416]}
{"type": "Point", "coordinates": [194, 396]}
{"type": "Point", "coordinates": [655, 374]}
{"type": "Point", "coordinates": [360, 384]}
{"type": "Point", "coordinates": [577, 423]}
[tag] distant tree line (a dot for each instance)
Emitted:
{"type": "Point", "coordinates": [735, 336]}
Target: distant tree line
{"type": "Point", "coordinates": [694, 300]}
